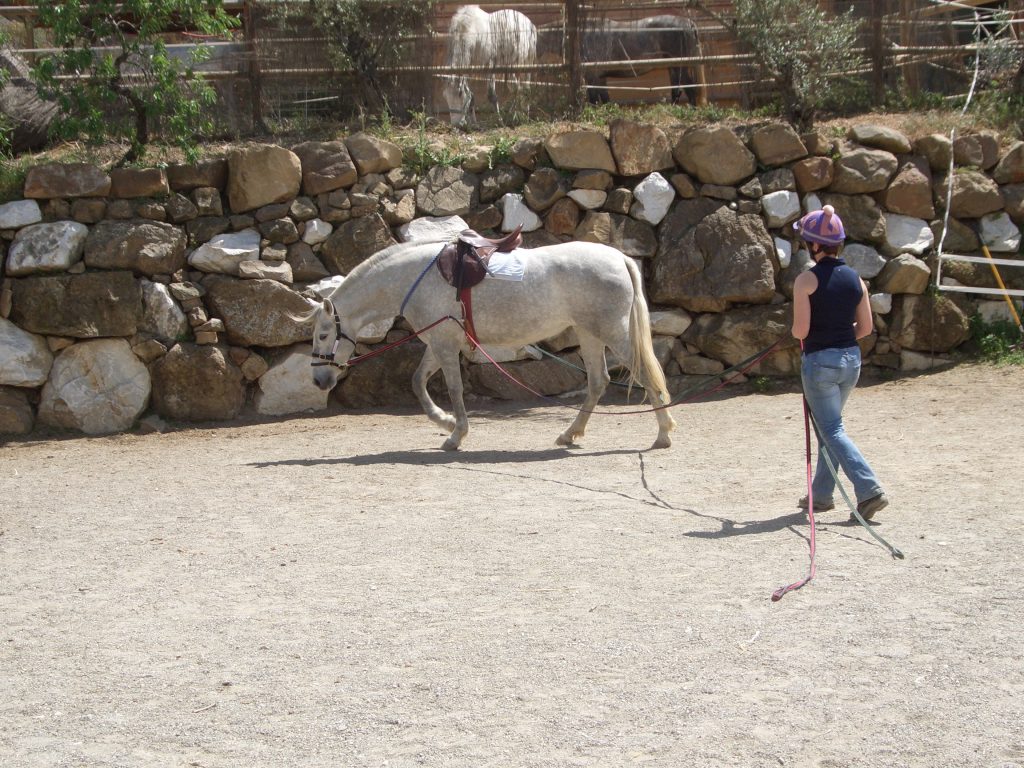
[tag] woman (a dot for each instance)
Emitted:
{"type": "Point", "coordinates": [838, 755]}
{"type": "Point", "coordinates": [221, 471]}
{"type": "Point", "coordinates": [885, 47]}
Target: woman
{"type": "Point", "coordinates": [831, 310]}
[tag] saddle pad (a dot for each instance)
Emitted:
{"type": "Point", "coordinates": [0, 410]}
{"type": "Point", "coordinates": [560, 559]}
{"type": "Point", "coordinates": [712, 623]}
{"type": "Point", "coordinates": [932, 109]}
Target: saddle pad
{"type": "Point", "coordinates": [507, 266]}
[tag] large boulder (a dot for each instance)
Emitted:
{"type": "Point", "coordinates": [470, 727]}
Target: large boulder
{"type": "Point", "coordinates": [205, 173]}
{"type": "Point", "coordinates": [145, 247]}
{"type": "Point", "coordinates": [97, 387]}
{"type": "Point", "coordinates": [652, 198]}
{"type": "Point", "coordinates": [288, 387]}
{"type": "Point", "coordinates": [262, 175]}
{"type": "Point", "coordinates": [880, 137]}
{"type": "Point", "coordinates": [84, 306]}
{"type": "Point", "coordinates": [19, 213]}
{"type": "Point", "coordinates": [548, 377]}
{"type": "Point", "coordinates": [859, 170]}
{"type": "Point", "coordinates": [47, 247]}
{"type": "Point", "coordinates": [639, 149]}
{"type": "Point", "coordinates": [326, 166]}
{"type": "Point", "coordinates": [862, 218]}
{"type": "Point", "coordinates": [373, 155]}
{"type": "Point", "coordinates": [974, 194]}
{"type": "Point", "coordinates": [776, 144]}
{"type": "Point", "coordinates": [928, 323]}
{"type": "Point", "coordinates": [256, 313]}
{"type": "Point", "coordinates": [225, 252]}
{"type": "Point", "coordinates": [910, 191]}
{"type": "Point", "coordinates": [715, 156]}
{"type": "Point", "coordinates": [197, 383]}
{"type": "Point", "coordinates": [25, 358]}
{"type": "Point", "coordinates": [735, 336]}
{"type": "Point", "coordinates": [355, 241]}
{"type": "Point", "coordinates": [578, 150]}
{"type": "Point", "coordinates": [66, 180]}
{"type": "Point", "coordinates": [16, 414]}
{"type": "Point", "coordinates": [447, 191]}
{"type": "Point", "coordinates": [162, 316]}
{"type": "Point", "coordinates": [138, 182]}
{"type": "Point", "coordinates": [726, 258]}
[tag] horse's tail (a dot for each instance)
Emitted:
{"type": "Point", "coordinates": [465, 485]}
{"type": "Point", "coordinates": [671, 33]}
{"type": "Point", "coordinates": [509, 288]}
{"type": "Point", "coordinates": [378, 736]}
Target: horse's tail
{"type": "Point", "coordinates": [643, 357]}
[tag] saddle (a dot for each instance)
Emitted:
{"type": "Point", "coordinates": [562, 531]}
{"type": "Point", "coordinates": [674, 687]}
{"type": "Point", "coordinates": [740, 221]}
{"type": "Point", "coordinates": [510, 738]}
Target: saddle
{"type": "Point", "coordinates": [463, 263]}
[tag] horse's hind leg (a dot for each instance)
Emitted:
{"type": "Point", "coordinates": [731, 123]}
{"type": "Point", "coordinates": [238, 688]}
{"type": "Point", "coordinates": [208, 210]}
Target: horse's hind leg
{"type": "Point", "coordinates": [592, 351]}
{"type": "Point", "coordinates": [655, 395]}
{"type": "Point", "coordinates": [428, 367]}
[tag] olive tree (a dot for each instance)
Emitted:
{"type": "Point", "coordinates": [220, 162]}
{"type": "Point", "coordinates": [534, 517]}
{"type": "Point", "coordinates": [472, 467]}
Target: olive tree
{"type": "Point", "coordinates": [367, 37]}
{"type": "Point", "coordinates": [113, 76]}
{"type": "Point", "coordinates": [803, 50]}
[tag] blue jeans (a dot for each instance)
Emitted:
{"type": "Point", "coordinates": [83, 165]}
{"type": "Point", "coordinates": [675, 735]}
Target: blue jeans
{"type": "Point", "coordinates": [829, 376]}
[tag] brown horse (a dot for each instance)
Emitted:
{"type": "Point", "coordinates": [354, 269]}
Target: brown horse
{"type": "Point", "coordinates": [637, 41]}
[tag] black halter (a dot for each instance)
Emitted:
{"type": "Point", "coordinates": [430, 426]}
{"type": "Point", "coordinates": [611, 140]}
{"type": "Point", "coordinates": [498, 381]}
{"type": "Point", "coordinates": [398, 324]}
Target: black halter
{"type": "Point", "coordinates": [338, 336]}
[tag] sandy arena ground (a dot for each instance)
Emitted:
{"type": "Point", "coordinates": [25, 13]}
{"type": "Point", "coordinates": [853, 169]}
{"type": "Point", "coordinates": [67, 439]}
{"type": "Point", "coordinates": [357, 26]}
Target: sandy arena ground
{"type": "Point", "coordinates": [335, 591]}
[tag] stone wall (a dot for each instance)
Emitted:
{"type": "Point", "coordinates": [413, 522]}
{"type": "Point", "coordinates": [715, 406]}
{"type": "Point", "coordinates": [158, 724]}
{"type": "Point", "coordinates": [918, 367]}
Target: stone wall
{"type": "Point", "coordinates": [138, 295]}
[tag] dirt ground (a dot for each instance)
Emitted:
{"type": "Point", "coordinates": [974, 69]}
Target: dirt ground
{"type": "Point", "coordinates": [335, 591]}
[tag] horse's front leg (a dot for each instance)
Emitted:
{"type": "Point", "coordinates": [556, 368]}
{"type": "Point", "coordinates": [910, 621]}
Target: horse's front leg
{"type": "Point", "coordinates": [428, 367]}
{"type": "Point", "coordinates": [452, 372]}
{"type": "Point", "coordinates": [592, 351]}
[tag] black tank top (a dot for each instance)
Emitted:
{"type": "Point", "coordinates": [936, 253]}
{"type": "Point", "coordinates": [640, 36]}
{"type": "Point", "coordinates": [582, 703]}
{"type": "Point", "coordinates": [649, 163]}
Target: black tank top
{"type": "Point", "coordinates": [833, 306]}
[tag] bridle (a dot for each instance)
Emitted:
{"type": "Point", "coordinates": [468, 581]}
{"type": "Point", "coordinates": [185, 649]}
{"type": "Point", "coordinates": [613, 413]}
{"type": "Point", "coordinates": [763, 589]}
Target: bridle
{"type": "Point", "coordinates": [328, 359]}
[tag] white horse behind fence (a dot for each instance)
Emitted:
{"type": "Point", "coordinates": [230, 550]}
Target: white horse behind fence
{"type": "Point", "coordinates": [496, 41]}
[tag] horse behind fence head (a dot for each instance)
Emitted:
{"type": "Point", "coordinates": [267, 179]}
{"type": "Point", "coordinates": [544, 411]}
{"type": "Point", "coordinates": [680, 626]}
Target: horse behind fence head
{"type": "Point", "coordinates": [637, 41]}
{"type": "Point", "coordinates": [496, 41]}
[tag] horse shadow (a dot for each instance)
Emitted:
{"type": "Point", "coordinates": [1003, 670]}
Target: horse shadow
{"type": "Point", "coordinates": [433, 457]}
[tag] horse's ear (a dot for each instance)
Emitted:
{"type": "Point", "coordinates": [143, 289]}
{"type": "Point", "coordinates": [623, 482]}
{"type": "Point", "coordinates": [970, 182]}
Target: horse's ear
{"type": "Point", "coordinates": [327, 307]}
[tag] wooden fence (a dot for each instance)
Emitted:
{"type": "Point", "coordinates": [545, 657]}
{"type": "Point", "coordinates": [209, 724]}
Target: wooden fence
{"type": "Point", "coordinates": [266, 71]}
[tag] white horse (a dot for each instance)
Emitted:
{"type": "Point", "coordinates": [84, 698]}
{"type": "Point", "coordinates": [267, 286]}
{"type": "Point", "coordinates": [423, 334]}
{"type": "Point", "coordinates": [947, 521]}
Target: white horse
{"type": "Point", "coordinates": [590, 287]}
{"type": "Point", "coordinates": [498, 40]}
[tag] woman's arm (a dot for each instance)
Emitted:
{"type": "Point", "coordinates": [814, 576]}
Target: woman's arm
{"type": "Point", "coordinates": [805, 284]}
{"type": "Point", "coordinates": [862, 321]}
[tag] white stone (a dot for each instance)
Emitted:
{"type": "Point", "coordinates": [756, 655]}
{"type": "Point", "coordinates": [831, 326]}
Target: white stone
{"type": "Point", "coordinates": [670, 322]}
{"type": "Point", "coordinates": [287, 387]}
{"type": "Point", "coordinates": [317, 230]}
{"type": "Point", "coordinates": [918, 361]}
{"type": "Point", "coordinates": [515, 212]}
{"type": "Point", "coordinates": [652, 198]}
{"type": "Point", "coordinates": [905, 234]}
{"type": "Point", "coordinates": [780, 208]}
{"type": "Point", "coordinates": [51, 247]}
{"type": "Point", "coordinates": [811, 202]}
{"type": "Point", "coordinates": [784, 250]}
{"type": "Point", "coordinates": [326, 287]}
{"type": "Point", "coordinates": [432, 229]}
{"type": "Point", "coordinates": [162, 316]}
{"type": "Point", "coordinates": [98, 387]}
{"type": "Point", "coordinates": [865, 260]}
{"type": "Point", "coordinates": [19, 213]}
{"type": "Point", "coordinates": [999, 233]}
{"type": "Point", "coordinates": [225, 252]}
{"type": "Point", "coordinates": [25, 358]}
{"type": "Point", "coordinates": [589, 199]}
{"type": "Point", "coordinates": [881, 303]}
{"type": "Point", "coordinates": [990, 311]}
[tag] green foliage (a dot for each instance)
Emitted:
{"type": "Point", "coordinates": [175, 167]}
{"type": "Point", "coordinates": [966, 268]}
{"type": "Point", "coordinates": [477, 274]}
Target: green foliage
{"type": "Point", "coordinates": [423, 153]}
{"type": "Point", "coordinates": [366, 36]}
{"type": "Point", "coordinates": [501, 152]}
{"type": "Point", "coordinates": [134, 85]}
{"type": "Point", "coordinates": [803, 50]}
{"type": "Point", "coordinates": [762, 384]}
{"type": "Point", "coordinates": [12, 178]}
{"type": "Point", "coordinates": [998, 342]}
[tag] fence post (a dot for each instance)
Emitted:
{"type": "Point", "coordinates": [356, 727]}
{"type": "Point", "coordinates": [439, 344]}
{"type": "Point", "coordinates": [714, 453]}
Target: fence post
{"type": "Point", "coordinates": [255, 76]}
{"type": "Point", "coordinates": [572, 54]}
{"type": "Point", "coordinates": [877, 53]}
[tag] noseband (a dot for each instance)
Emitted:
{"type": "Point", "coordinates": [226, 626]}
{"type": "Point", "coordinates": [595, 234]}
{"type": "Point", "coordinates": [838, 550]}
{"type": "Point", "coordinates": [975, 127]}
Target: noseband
{"type": "Point", "coordinates": [338, 336]}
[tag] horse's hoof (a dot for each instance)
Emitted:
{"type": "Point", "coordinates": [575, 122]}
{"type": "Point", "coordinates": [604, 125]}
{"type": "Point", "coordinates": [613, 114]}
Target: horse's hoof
{"type": "Point", "coordinates": [450, 445]}
{"type": "Point", "coordinates": [567, 440]}
{"type": "Point", "coordinates": [663, 441]}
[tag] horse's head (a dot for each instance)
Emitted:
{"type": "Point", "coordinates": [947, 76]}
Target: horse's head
{"type": "Point", "coordinates": [330, 345]}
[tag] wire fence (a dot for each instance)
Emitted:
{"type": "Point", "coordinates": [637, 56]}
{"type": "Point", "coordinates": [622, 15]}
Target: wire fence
{"type": "Point", "coordinates": [271, 72]}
